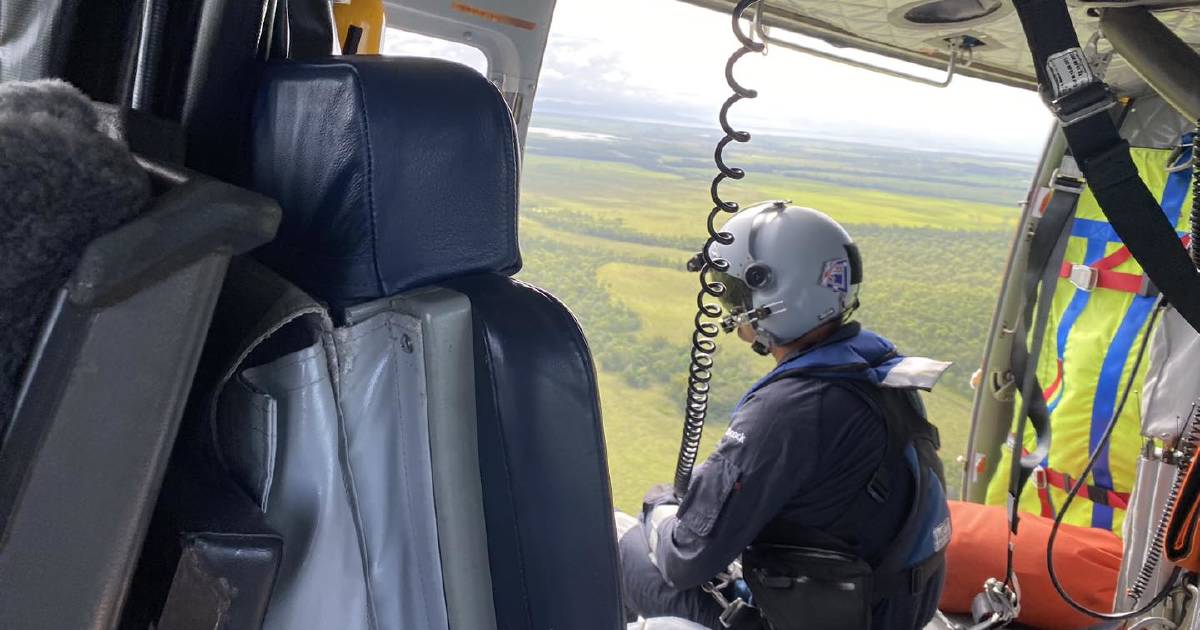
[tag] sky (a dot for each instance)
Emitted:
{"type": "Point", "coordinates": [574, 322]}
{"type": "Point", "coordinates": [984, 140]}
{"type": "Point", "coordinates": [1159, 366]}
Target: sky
{"type": "Point", "coordinates": [664, 60]}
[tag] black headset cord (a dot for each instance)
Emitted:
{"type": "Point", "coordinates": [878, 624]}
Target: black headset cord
{"type": "Point", "coordinates": [1082, 481]}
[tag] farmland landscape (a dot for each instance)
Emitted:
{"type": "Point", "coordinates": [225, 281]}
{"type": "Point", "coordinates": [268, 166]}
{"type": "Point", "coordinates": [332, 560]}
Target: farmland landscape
{"type": "Point", "coordinates": [613, 209]}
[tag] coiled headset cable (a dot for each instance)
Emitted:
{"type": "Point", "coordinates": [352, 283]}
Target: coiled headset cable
{"type": "Point", "coordinates": [708, 313]}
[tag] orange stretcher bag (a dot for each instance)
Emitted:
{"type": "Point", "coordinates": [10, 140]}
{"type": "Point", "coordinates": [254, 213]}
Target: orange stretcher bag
{"type": "Point", "coordinates": [1086, 560]}
{"type": "Point", "coordinates": [1183, 540]}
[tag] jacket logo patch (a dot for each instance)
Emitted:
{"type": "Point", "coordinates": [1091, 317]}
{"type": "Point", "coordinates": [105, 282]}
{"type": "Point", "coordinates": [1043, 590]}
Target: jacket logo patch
{"type": "Point", "coordinates": [941, 535]}
{"type": "Point", "coordinates": [835, 276]}
{"type": "Point", "coordinates": [736, 436]}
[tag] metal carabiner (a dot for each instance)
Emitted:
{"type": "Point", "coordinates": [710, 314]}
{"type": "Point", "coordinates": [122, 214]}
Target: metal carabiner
{"type": "Point", "coordinates": [1001, 601]}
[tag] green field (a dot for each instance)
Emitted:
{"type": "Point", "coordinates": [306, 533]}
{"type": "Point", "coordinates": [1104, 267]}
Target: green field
{"type": "Point", "coordinates": [607, 225]}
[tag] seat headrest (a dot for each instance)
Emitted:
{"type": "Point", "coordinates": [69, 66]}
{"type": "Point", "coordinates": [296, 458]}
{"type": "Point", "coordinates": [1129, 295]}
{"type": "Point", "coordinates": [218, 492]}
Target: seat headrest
{"type": "Point", "coordinates": [393, 173]}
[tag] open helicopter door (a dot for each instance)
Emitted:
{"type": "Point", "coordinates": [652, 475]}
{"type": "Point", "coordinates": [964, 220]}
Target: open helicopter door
{"type": "Point", "coordinates": [888, 28]}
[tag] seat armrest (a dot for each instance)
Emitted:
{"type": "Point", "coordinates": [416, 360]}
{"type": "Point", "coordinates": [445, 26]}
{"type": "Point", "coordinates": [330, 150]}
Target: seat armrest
{"type": "Point", "coordinates": [196, 219]}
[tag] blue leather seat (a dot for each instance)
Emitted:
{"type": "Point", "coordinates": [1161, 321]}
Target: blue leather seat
{"type": "Point", "coordinates": [397, 174]}
{"type": "Point", "coordinates": [393, 174]}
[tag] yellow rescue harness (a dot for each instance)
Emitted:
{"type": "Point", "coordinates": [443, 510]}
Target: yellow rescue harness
{"type": "Point", "coordinates": [1100, 309]}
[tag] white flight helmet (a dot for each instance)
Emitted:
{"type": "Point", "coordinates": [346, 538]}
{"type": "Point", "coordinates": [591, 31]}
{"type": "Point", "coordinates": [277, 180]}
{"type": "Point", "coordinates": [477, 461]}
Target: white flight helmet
{"type": "Point", "coordinates": [791, 269]}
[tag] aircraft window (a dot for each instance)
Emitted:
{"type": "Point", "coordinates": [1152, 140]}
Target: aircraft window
{"type": "Point", "coordinates": [951, 11]}
{"type": "Point", "coordinates": [403, 43]}
{"type": "Point", "coordinates": [615, 190]}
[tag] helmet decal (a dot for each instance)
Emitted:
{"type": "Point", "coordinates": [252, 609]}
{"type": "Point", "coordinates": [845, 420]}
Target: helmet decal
{"type": "Point", "coordinates": [835, 276]}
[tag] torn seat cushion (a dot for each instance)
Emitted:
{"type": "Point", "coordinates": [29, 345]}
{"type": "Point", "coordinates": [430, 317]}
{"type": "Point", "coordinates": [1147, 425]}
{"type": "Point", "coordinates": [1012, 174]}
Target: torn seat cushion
{"type": "Point", "coordinates": [62, 184]}
{"type": "Point", "coordinates": [393, 173]}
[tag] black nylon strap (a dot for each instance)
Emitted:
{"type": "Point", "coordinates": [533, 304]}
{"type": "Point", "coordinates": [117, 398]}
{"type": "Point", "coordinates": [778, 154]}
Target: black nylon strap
{"type": "Point", "coordinates": [1057, 219]}
{"type": "Point", "coordinates": [1104, 158]}
{"type": "Point", "coordinates": [1045, 257]}
{"type": "Point", "coordinates": [905, 426]}
{"type": "Point", "coordinates": [1148, 234]}
{"type": "Point", "coordinates": [907, 582]}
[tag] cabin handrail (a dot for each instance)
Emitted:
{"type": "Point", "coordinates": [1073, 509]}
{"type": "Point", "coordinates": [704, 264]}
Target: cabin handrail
{"type": "Point", "coordinates": [954, 49]}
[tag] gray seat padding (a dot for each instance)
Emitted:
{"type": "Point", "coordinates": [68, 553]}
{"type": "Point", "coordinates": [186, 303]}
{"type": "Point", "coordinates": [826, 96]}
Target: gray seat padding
{"type": "Point", "coordinates": [325, 428]}
{"type": "Point", "coordinates": [307, 504]}
{"type": "Point", "coordinates": [33, 38]}
{"type": "Point", "coordinates": [397, 175]}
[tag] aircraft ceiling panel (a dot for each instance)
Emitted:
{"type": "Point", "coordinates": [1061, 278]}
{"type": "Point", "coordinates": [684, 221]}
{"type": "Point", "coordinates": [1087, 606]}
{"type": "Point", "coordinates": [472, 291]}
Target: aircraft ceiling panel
{"type": "Point", "coordinates": [877, 26]}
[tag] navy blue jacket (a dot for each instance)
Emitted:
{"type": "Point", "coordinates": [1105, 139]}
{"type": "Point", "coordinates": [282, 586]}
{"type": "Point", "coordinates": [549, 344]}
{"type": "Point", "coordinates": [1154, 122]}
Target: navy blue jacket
{"type": "Point", "coordinates": [798, 451]}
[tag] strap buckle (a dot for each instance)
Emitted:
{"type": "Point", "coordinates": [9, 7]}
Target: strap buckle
{"type": "Point", "coordinates": [1065, 182]}
{"type": "Point", "coordinates": [997, 606]}
{"type": "Point", "coordinates": [1082, 103]}
{"type": "Point", "coordinates": [1041, 480]}
{"type": "Point", "coordinates": [731, 611]}
{"type": "Point", "coordinates": [731, 615]}
{"type": "Point", "coordinates": [1085, 278]}
{"type": "Point", "coordinates": [1148, 289]}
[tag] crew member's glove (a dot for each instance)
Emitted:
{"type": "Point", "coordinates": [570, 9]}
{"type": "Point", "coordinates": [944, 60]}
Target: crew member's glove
{"type": "Point", "coordinates": [659, 504]}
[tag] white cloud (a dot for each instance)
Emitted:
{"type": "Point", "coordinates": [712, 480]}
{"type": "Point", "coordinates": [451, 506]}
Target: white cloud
{"type": "Point", "coordinates": [397, 42]}
{"type": "Point", "coordinates": [673, 55]}
{"type": "Point", "coordinates": [664, 59]}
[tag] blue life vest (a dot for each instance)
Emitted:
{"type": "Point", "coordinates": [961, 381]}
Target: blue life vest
{"type": "Point", "coordinates": [872, 365]}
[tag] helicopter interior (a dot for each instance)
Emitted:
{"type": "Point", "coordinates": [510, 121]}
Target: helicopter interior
{"type": "Point", "coordinates": [300, 388]}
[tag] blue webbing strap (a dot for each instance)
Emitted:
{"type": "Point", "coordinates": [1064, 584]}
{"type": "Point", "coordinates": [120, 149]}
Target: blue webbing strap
{"type": "Point", "coordinates": [1117, 356]}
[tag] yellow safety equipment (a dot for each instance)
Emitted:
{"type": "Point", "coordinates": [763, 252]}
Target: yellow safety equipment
{"type": "Point", "coordinates": [1101, 308]}
{"type": "Point", "coordinates": [368, 15]}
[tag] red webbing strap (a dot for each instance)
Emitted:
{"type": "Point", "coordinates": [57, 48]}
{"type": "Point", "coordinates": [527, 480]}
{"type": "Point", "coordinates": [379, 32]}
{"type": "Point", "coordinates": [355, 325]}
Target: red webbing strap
{"type": "Point", "coordinates": [1058, 379]}
{"type": "Point", "coordinates": [1095, 494]}
{"type": "Point", "coordinates": [1046, 478]}
{"type": "Point", "coordinates": [1112, 280]}
{"type": "Point", "coordinates": [1114, 259]}
{"type": "Point", "coordinates": [1106, 278]}
{"type": "Point", "coordinates": [1043, 490]}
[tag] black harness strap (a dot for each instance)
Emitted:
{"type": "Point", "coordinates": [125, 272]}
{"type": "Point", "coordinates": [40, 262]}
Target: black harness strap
{"type": "Point", "coordinates": [1046, 253]}
{"type": "Point", "coordinates": [782, 576]}
{"type": "Point", "coordinates": [906, 425]}
{"type": "Point", "coordinates": [1045, 257]}
{"type": "Point", "coordinates": [1079, 99]}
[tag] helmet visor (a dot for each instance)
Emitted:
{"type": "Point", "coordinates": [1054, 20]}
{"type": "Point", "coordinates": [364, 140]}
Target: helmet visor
{"type": "Point", "coordinates": [736, 298]}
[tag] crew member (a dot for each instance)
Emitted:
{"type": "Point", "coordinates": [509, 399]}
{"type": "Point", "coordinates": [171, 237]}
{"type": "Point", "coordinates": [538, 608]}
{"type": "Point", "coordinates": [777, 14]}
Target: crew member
{"type": "Point", "coordinates": [826, 483]}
